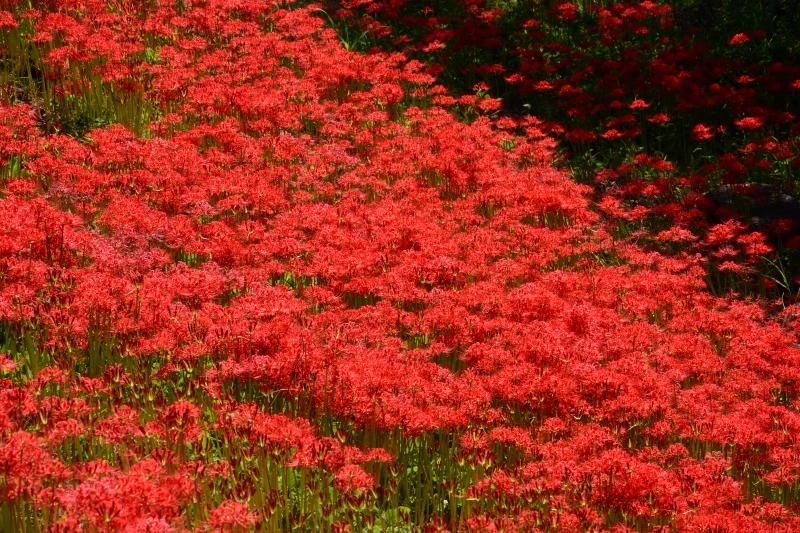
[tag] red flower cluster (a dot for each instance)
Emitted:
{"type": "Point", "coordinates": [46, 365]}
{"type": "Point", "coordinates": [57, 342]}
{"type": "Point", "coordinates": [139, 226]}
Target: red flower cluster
{"type": "Point", "coordinates": [619, 80]}
{"type": "Point", "coordinates": [308, 296]}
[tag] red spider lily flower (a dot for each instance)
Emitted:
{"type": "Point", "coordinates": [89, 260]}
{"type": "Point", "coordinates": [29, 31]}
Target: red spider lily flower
{"type": "Point", "coordinates": [611, 134]}
{"type": "Point", "coordinates": [676, 235]}
{"type": "Point", "coordinates": [701, 132]}
{"type": "Point", "coordinates": [434, 46]}
{"type": "Point", "coordinates": [488, 105]}
{"type": "Point", "coordinates": [531, 24]}
{"type": "Point", "coordinates": [566, 11]}
{"type": "Point", "coordinates": [739, 38]}
{"type": "Point", "coordinates": [180, 418]}
{"type": "Point", "coordinates": [7, 20]}
{"type": "Point", "coordinates": [659, 118]}
{"type": "Point", "coordinates": [754, 243]}
{"type": "Point", "coordinates": [724, 233]}
{"type": "Point", "coordinates": [731, 266]}
{"type": "Point", "coordinates": [7, 365]}
{"type": "Point", "coordinates": [232, 515]}
{"type": "Point", "coordinates": [353, 480]}
{"type": "Point", "coordinates": [750, 123]}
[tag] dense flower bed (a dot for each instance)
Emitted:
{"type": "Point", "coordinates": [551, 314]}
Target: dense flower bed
{"type": "Point", "coordinates": [268, 283]}
{"type": "Point", "coordinates": [682, 114]}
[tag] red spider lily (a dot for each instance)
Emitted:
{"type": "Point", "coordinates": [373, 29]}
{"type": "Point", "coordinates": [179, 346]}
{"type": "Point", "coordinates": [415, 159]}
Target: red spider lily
{"type": "Point", "coordinates": [701, 132]}
{"type": "Point", "coordinates": [323, 292]}
{"type": "Point", "coordinates": [739, 38]}
{"type": "Point", "coordinates": [231, 515]}
{"type": "Point", "coordinates": [750, 123]}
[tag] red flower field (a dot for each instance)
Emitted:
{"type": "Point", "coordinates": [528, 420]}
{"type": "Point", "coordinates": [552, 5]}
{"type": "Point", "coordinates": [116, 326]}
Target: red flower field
{"type": "Point", "coordinates": [251, 280]}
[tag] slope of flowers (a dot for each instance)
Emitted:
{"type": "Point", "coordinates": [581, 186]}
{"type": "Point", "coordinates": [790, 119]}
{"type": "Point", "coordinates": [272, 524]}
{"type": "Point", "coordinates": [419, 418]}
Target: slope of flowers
{"type": "Point", "coordinates": [681, 113]}
{"type": "Point", "coordinates": [306, 296]}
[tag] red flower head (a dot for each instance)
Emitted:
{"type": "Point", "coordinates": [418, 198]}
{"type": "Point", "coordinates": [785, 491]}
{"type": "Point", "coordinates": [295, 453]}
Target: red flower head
{"type": "Point", "coordinates": [750, 123]}
{"type": "Point", "coordinates": [231, 515]}
{"type": "Point", "coordinates": [180, 419]}
{"type": "Point", "coordinates": [701, 132]}
{"type": "Point", "coordinates": [567, 11]}
{"type": "Point", "coordinates": [739, 38]}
